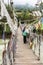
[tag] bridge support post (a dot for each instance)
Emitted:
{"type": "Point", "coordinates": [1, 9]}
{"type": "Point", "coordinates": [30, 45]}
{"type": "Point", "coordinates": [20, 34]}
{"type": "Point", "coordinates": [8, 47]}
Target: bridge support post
{"type": "Point", "coordinates": [39, 41]}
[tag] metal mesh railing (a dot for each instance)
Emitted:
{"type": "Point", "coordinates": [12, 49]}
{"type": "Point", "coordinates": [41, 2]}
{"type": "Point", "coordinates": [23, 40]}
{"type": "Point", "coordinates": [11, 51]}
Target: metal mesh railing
{"type": "Point", "coordinates": [8, 58]}
{"type": "Point", "coordinates": [37, 45]}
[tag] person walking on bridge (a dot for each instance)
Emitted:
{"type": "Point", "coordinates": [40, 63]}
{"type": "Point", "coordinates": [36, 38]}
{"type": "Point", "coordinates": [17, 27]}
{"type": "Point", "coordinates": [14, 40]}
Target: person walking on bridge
{"type": "Point", "coordinates": [24, 33]}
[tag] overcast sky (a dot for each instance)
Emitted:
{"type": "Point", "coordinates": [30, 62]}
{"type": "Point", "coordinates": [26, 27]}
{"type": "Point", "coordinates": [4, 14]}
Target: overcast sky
{"type": "Point", "coordinates": [31, 2]}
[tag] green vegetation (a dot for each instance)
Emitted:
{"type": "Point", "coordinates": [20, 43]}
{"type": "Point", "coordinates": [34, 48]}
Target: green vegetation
{"type": "Point", "coordinates": [7, 28]}
{"type": "Point", "coordinates": [2, 28]}
{"type": "Point", "coordinates": [19, 8]}
{"type": "Point", "coordinates": [24, 12]}
{"type": "Point", "coordinates": [2, 43]}
{"type": "Point", "coordinates": [4, 20]}
{"type": "Point", "coordinates": [7, 32]}
{"type": "Point", "coordinates": [26, 15]}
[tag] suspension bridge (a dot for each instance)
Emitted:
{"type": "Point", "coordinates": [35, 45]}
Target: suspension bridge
{"type": "Point", "coordinates": [23, 55]}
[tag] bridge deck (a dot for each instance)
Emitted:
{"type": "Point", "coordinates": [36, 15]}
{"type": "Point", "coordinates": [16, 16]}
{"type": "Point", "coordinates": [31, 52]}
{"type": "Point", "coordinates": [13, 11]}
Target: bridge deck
{"type": "Point", "coordinates": [24, 55]}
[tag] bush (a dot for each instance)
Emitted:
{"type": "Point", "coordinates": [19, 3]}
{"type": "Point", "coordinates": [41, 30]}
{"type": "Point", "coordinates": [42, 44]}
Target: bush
{"type": "Point", "coordinates": [4, 19]}
{"type": "Point", "coordinates": [7, 32]}
{"type": "Point", "coordinates": [7, 29]}
{"type": "Point", "coordinates": [1, 28]}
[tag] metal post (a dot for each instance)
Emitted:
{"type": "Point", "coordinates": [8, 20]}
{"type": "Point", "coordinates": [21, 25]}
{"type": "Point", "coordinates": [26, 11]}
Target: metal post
{"type": "Point", "coordinates": [4, 35]}
{"type": "Point", "coordinates": [11, 3]}
{"type": "Point", "coordinates": [8, 3]}
{"type": "Point", "coordinates": [3, 1]}
{"type": "Point", "coordinates": [39, 47]}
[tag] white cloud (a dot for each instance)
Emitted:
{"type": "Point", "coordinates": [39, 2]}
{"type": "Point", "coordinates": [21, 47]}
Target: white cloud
{"type": "Point", "coordinates": [20, 1]}
{"type": "Point", "coordinates": [31, 2]}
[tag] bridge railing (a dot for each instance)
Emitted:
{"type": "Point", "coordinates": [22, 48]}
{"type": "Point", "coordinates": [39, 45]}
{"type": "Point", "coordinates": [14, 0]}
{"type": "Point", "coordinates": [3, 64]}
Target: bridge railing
{"type": "Point", "coordinates": [37, 45]}
{"type": "Point", "coordinates": [9, 20]}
